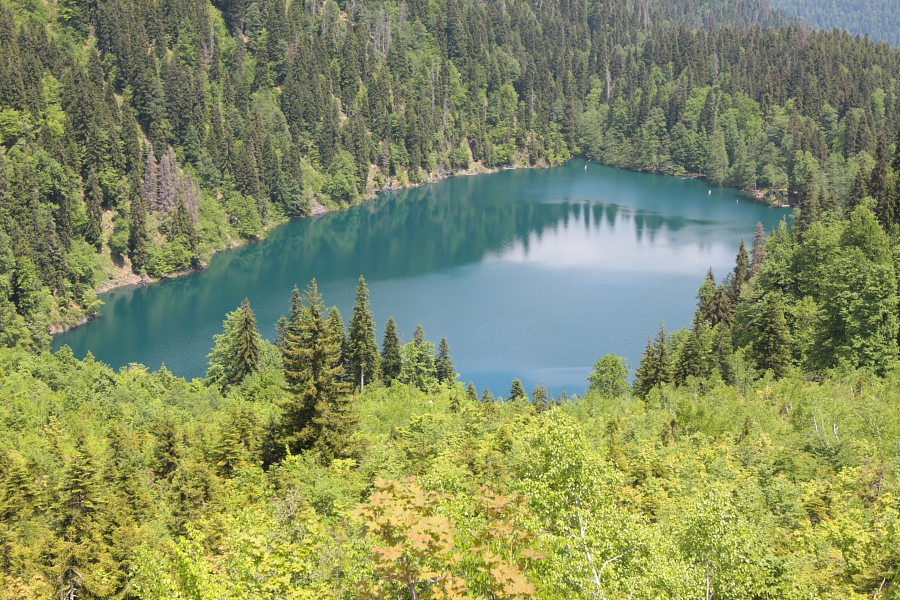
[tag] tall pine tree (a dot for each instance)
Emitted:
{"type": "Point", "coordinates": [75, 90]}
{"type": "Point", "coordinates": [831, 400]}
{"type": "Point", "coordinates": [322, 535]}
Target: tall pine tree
{"type": "Point", "coordinates": [390, 353]}
{"type": "Point", "coordinates": [312, 365]}
{"type": "Point", "coordinates": [362, 355]}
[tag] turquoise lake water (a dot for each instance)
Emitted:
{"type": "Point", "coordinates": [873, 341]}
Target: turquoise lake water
{"type": "Point", "coordinates": [530, 274]}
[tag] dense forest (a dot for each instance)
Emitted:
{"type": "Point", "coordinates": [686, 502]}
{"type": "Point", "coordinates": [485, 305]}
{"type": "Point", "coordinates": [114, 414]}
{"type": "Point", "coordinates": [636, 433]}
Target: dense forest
{"type": "Point", "coordinates": [324, 467]}
{"type": "Point", "coordinates": [878, 19]}
{"type": "Point", "coordinates": [754, 455]}
{"type": "Point", "coordinates": [140, 137]}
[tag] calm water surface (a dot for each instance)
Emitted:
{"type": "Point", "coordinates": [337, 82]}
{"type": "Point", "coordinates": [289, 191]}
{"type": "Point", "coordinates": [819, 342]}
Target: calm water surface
{"type": "Point", "coordinates": [533, 274]}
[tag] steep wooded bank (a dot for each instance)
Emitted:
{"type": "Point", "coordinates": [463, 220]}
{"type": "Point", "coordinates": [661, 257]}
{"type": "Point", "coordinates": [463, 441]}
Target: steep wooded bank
{"type": "Point", "coordinates": [140, 137]}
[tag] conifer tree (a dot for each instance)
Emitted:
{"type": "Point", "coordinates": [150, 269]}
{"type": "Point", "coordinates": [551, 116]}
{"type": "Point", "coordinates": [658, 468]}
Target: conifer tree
{"type": "Point", "coordinates": [362, 353]}
{"type": "Point", "coordinates": [809, 208]}
{"type": "Point", "coordinates": [878, 188]}
{"type": "Point", "coordinates": [770, 344]}
{"type": "Point", "coordinates": [390, 353]}
{"type": "Point", "coordinates": [486, 396]}
{"type": "Point", "coordinates": [472, 392]}
{"type": "Point", "coordinates": [758, 252]}
{"type": "Point", "coordinates": [93, 232]}
{"type": "Point", "coordinates": [237, 349]}
{"type": "Point", "coordinates": [339, 337]}
{"type": "Point", "coordinates": [517, 391]}
{"type": "Point", "coordinates": [312, 365]}
{"type": "Point", "coordinates": [444, 364]}
{"type": "Point", "coordinates": [654, 368]}
{"type": "Point", "coordinates": [247, 344]}
{"type": "Point", "coordinates": [692, 359]}
{"type": "Point", "coordinates": [857, 191]}
{"type": "Point", "coordinates": [741, 274]}
{"type": "Point", "coordinates": [540, 397]}
{"type": "Point", "coordinates": [138, 241]}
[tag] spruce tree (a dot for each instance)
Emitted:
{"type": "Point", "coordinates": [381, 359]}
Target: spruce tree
{"type": "Point", "coordinates": [692, 359]}
{"type": "Point", "coordinates": [758, 252]}
{"type": "Point", "coordinates": [339, 337]}
{"type": "Point", "coordinates": [472, 392]}
{"type": "Point", "coordinates": [771, 340]}
{"type": "Point", "coordinates": [517, 391]}
{"type": "Point", "coordinates": [740, 275]}
{"type": "Point", "coordinates": [857, 191]}
{"type": "Point", "coordinates": [236, 353]}
{"type": "Point", "coordinates": [138, 241]}
{"type": "Point", "coordinates": [540, 397]}
{"type": "Point", "coordinates": [879, 189]}
{"type": "Point", "coordinates": [362, 355]}
{"type": "Point", "coordinates": [444, 365]}
{"type": "Point", "coordinates": [390, 353]}
{"type": "Point", "coordinates": [654, 368]}
{"type": "Point", "coordinates": [247, 344]}
{"type": "Point", "coordinates": [312, 365]}
{"type": "Point", "coordinates": [809, 209]}
{"type": "Point", "coordinates": [486, 396]}
{"type": "Point", "coordinates": [93, 233]}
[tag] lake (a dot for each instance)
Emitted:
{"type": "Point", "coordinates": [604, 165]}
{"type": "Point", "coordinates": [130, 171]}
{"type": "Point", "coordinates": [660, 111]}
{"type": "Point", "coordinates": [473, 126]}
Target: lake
{"type": "Point", "coordinates": [532, 274]}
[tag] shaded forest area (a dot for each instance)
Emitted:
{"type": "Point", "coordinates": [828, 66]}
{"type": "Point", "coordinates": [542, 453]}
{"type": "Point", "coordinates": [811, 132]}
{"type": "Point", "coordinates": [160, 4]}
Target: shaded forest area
{"type": "Point", "coordinates": [140, 137]}
{"type": "Point", "coordinates": [878, 19]}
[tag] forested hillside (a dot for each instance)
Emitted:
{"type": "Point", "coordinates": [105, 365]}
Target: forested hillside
{"type": "Point", "coordinates": [755, 455]}
{"type": "Point", "coordinates": [879, 19]}
{"type": "Point", "coordinates": [140, 137]}
{"type": "Point", "coordinates": [142, 485]}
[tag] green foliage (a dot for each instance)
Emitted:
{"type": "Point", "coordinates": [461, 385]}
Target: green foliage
{"type": "Point", "coordinates": [145, 482]}
{"type": "Point", "coordinates": [237, 351]}
{"type": "Point", "coordinates": [362, 351]}
{"type": "Point", "coordinates": [391, 361]}
{"type": "Point", "coordinates": [317, 411]}
{"type": "Point", "coordinates": [610, 376]}
{"type": "Point", "coordinates": [655, 368]}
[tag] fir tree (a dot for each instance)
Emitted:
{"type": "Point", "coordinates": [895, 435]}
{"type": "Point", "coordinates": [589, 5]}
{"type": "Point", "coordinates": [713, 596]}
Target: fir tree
{"type": "Point", "coordinates": [237, 350]}
{"type": "Point", "coordinates": [517, 391]}
{"type": "Point", "coordinates": [444, 365]}
{"type": "Point", "coordinates": [312, 365]}
{"type": "Point", "coordinates": [741, 269]}
{"type": "Point", "coordinates": [486, 396]}
{"type": "Point", "coordinates": [363, 348]}
{"type": "Point", "coordinates": [390, 353]}
{"type": "Point", "coordinates": [771, 341]}
{"type": "Point", "coordinates": [758, 252]}
{"type": "Point", "coordinates": [138, 241]}
{"type": "Point", "coordinates": [339, 338]}
{"type": "Point", "coordinates": [472, 392]}
{"type": "Point", "coordinates": [93, 233]}
{"type": "Point", "coordinates": [654, 369]}
{"type": "Point", "coordinates": [247, 344]}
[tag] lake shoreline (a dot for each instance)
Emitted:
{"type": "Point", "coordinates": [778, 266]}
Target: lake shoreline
{"type": "Point", "coordinates": [317, 210]}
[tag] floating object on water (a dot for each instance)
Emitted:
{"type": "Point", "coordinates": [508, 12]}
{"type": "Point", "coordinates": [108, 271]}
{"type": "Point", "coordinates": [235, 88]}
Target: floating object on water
{"type": "Point", "coordinates": [710, 192]}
